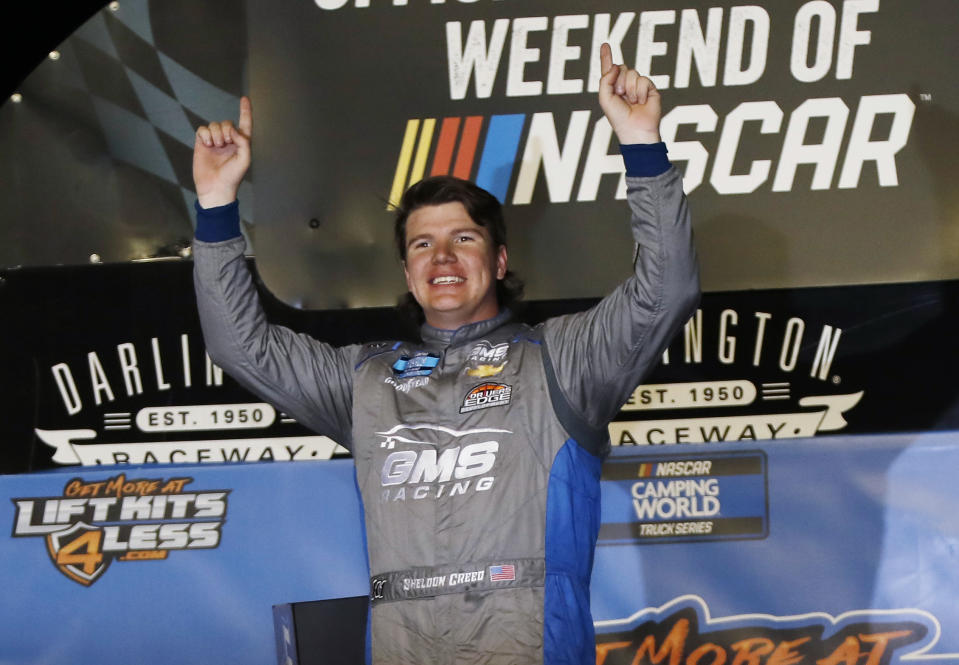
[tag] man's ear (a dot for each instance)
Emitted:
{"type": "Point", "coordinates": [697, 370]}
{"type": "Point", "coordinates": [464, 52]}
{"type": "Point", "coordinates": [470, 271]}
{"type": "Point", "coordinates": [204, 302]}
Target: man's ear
{"type": "Point", "coordinates": [406, 274]}
{"type": "Point", "coordinates": [501, 261]}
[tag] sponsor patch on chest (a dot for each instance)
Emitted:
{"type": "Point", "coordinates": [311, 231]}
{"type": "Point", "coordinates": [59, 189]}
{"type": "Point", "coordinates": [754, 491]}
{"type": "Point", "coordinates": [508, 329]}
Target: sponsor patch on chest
{"type": "Point", "coordinates": [406, 385]}
{"type": "Point", "coordinates": [421, 364]}
{"type": "Point", "coordinates": [486, 360]}
{"type": "Point", "coordinates": [486, 396]}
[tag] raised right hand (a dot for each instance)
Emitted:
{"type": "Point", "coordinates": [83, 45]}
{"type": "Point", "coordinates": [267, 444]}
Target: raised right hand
{"type": "Point", "coordinates": [630, 101]}
{"type": "Point", "coordinates": [221, 157]}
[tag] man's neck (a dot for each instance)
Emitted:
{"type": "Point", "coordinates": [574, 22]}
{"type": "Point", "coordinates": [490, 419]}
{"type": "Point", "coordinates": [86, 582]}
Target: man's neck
{"type": "Point", "coordinates": [454, 323]}
{"type": "Point", "coordinates": [465, 332]}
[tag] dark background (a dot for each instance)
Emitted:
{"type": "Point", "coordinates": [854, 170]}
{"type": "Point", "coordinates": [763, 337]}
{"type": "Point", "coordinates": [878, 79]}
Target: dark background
{"type": "Point", "coordinates": [898, 338]}
{"type": "Point", "coordinates": [31, 30]}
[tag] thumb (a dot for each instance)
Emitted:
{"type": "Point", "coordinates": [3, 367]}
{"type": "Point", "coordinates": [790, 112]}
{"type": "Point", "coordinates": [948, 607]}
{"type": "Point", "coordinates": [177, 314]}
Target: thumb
{"type": "Point", "coordinates": [607, 87]}
{"type": "Point", "coordinates": [242, 143]}
{"type": "Point", "coordinates": [240, 138]}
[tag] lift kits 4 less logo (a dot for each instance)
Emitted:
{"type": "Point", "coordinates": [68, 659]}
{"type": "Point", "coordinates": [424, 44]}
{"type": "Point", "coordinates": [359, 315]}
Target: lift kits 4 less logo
{"type": "Point", "coordinates": [97, 522]}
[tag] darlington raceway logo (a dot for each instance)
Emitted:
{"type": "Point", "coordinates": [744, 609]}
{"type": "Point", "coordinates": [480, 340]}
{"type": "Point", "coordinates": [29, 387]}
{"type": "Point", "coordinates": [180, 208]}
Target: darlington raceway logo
{"type": "Point", "coordinates": [111, 390]}
{"type": "Point", "coordinates": [778, 358]}
{"type": "Point", "coordinates": [682, 631]}
{"type": "Point", "coordinates": [97, 522]}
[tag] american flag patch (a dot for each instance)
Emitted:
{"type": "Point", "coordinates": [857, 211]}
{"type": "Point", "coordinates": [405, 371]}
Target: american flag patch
{"type": "Point", "coordinates": [502, 573]}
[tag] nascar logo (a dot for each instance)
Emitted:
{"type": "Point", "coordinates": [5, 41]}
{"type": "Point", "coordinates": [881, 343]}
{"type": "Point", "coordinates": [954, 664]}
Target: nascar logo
{"type": "Point", "coordinates": [558, 159]}
{"type": "Point", "coordinates": [584, 154]}
{"type": "Point", "coordinates": [499, 150]}
{"type": "Point", "coordinates": [486, 396]}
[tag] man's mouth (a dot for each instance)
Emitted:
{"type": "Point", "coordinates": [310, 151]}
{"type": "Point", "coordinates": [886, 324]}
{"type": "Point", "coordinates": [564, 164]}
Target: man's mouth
{"type": "Point", "coordinates": [446, 279]}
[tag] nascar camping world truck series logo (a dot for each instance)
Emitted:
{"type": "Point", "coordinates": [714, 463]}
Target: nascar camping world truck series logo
{"type": "Point", "coordinates": [94, 523]}
{"type": "Point", "coordinates": [651, 499]}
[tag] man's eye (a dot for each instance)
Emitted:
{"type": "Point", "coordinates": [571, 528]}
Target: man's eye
{"type": "Point", "coordinates": [465, 238]}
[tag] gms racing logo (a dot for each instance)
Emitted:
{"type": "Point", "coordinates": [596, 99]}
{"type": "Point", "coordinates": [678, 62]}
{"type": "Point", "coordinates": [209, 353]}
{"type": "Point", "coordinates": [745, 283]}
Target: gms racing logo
{"type": "Point", "coordinates": [682, 632]}
{"type": "Point", "coordinates": [442, 461]}
{"type": "Point", "coordinates": [95, 523]}
{"type": "Point", "coordinates": [486, 360]}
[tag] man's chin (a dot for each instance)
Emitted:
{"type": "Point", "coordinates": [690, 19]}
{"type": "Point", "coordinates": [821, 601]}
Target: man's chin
{"type": "Point", "coordinates": [443, 312]}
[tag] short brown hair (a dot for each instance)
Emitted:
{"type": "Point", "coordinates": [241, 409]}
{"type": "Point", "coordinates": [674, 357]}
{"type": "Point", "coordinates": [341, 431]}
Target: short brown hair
{"type": "Point", "coordinates": [483, 209]}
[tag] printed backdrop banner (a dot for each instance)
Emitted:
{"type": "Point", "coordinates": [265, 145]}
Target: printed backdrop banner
{"type": "Point", "coordinates": [171, 564]}
{"type": "Point", "coordinates": [815, 140]}
{"type": "Point", "coordinates": [837, 550]}
{"type": "Point", "coordinates": [814, 136]}
{"type": "Point", "coordinates": [105, 364]}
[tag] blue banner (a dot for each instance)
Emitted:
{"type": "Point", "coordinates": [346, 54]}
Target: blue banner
{"type": "Point", "coordinates": [835, 550]}
{"type": "Point", "coordinates": [172, 564]}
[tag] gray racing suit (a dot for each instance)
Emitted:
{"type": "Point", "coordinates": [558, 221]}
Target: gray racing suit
{"type": "Point", "coordinates": [478, 450]}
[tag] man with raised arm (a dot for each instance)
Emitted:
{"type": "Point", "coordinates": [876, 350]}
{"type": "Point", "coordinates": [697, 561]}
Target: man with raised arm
{"type": "Point", "coordinates": [477, 447]}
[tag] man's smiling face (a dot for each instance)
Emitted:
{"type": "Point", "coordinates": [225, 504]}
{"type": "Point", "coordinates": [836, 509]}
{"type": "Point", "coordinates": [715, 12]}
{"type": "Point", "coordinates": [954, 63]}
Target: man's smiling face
{"type": "Point", "coordinates": [452, 266]}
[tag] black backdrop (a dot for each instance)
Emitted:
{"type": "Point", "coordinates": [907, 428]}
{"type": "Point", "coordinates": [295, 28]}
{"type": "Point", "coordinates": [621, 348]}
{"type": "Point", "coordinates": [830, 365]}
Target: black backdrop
{"type": "Point", "coordinates": [894, 343]}
{"type": "Point", "coordinates": [895, 347]}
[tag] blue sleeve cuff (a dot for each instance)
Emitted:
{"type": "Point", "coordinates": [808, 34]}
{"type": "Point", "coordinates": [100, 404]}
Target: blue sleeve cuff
{"type": "Point", "coordinates": [219, 223]}
{"type": "Point", "coordinates": [645, 160]}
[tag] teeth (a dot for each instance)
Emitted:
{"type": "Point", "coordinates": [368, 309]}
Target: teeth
{"type": "Point", "coordinates": [450, 279]}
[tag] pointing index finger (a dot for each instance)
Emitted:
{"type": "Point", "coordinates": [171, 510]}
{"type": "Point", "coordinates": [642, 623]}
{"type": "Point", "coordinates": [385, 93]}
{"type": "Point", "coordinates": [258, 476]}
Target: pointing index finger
{"type": "Point", "coordinates": [246, 116]}
{"type": "Point", "coordinates": [605, 58]}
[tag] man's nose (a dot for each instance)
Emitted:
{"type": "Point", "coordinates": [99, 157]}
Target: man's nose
{"type": "Point", "coordinates": [443, 253]}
